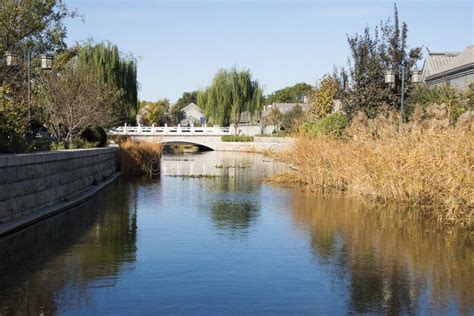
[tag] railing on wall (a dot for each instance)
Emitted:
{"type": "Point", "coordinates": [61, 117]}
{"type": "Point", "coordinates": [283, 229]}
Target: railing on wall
{"type": "Point", "coordinates": [170, 130]}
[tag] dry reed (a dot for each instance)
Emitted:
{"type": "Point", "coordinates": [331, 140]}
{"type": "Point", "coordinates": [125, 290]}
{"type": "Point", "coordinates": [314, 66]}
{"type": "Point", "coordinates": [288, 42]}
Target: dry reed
{"type": "Point", "coordinates": [140, 158]}
{"type": "Point", "coordinates": [421, 163]}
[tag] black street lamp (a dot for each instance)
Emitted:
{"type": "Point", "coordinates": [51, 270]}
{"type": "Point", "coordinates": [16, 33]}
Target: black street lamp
{"type": "Point", "coordinates": [390, 79]}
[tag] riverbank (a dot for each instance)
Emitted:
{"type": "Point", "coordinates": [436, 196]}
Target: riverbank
{"type": "Point", "coordinates": [35, 186]}
{"type": "Point", "coordinates": [424, 165]}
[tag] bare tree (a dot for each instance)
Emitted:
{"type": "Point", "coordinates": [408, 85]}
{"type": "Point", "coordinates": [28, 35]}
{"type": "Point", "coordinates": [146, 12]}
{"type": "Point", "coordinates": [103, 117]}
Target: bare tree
{"type": "Point", "coordinates": [74, 100]}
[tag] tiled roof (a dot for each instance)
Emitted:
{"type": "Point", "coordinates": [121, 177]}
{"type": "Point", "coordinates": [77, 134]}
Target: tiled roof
{"type": "Point", "coordinates": [285, 107]}
{"type": "Point", "coordinates": [461, 60]}
{"type": "Point", "coordinates": [439, 63]}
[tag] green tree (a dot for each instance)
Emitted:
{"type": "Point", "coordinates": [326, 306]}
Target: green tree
{"type": "Point", "coordinates": [371, 56]}
{"type": "Point", "coordinates": [230, 93]}
{"type": "Point", "coordinates": [155, 112]}
{"type": "Point", "coordinates": [176, 114]}
{"type": "Point", "coordinates": [118, 71]}
{"type": "Point", "coordinates": [293, 94]}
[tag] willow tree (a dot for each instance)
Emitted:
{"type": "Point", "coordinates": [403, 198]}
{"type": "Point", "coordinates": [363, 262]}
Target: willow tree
{"type": "Point", "coordinates": [231, 93]}
{"type": "Point", "coordinates": [118, 71]}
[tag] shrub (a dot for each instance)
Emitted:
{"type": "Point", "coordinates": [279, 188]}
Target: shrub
{"type": "Point", "coordinates": [237, 138]}
{"type": "Point", "coordinates": [291, 119]}
{"type": "Point", "coordinates": [333, 125]}
{"type": "Point", "coordinates": [140, 158]}
{"type": "Point", "coordinates": [95, 135]}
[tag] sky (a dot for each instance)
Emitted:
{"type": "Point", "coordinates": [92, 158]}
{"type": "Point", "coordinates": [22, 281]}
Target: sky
{"type": "Point", "coordinates": [181, 44]}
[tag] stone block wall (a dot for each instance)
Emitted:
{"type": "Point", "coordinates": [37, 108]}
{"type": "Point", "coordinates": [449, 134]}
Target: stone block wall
{"type": "Point", "coordinates": [32, 182]}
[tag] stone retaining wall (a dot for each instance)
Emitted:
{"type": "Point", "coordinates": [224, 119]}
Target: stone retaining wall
{"type": "Point", "coordinates": [32, 182]}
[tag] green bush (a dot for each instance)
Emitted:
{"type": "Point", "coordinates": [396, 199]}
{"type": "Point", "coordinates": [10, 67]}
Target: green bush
{"type": "Point", "coordinates": [96, 135]}
{"type": "Point", "coordinates": [237, 138]}
{"type": "Point", "coordinates": [333, 124]}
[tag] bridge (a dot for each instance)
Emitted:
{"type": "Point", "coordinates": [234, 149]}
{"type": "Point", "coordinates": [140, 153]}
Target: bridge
{"type": "Point", "coordinates": [208, 137]}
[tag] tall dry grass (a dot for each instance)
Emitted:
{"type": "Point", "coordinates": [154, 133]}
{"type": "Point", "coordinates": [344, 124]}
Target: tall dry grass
{"type": "Point", "coordinates": [140, 158]}
{"type": "Point", "coordinates": [424, 162]}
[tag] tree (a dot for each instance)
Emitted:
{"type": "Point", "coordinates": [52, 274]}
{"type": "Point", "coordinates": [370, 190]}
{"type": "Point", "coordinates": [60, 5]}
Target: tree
{"type": "Point", "coordinates": [292, 119]}
{"type": "Point", "coordinates": [230, 93]}
{"type": "Point", "coordinates": [323, 97]}
{"type": "Point", "coordinates": [155, 112]}
{"type": "Point", "coordinates": [109, 66]}
{"type": "Point", "coordinates": [371, 56]}
{"type": "Point", "coordinates": [13, 124]}
{"type": "Point", "coordinates": [273, 117]}
{"type": "Point", "coordinates": [35, 25]}
{"type": "Point", "coordinates": [176, 114]}
{"type": "Point", "coordinates": [74, 100]}
{"type": "Point", "coordinates": [293, 94]}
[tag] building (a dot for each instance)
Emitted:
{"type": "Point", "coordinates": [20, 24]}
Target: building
{"type": "Point", "coordinates": [451, 68]}
{"type": "Point", "coordinates": [284, 107]}
{"type": "Point", "coordinates": [192, 115]}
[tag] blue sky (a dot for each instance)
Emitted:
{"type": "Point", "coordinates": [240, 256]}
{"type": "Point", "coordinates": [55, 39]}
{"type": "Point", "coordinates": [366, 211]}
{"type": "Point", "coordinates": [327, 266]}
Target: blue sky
{"type": "Point", "coordinates": [180, 44]}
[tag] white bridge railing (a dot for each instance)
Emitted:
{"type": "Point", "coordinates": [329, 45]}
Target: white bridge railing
{"type": "Point", "coordinates": [171, 131]}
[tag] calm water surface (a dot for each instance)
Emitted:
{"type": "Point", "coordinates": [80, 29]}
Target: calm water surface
{"type": "Point", "coordinates": [231, 244]}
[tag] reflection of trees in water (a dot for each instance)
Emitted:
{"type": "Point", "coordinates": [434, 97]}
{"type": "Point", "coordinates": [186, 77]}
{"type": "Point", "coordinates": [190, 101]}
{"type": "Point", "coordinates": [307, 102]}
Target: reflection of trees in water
{"type": "Point", "coordinates": [234, 216]}
{"type": "Point", "coordinates": [390, 258]}
{"type": "Point", "coordinates": [91, 243]}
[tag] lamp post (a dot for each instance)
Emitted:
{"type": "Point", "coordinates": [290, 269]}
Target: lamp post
{"type": "Point", "coordinates": [11, 60]}
{"type": "Point", "coordinates": [390, 79]}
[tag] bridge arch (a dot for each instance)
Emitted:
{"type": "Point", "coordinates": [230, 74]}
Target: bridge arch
{"type": "Point", "coordinates": [201, 146]}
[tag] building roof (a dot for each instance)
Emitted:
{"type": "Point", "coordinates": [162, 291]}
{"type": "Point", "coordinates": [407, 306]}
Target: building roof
{"type": "Point", "coordinates": [463, 59]}
{"type": "Point", "coordinates": [437, 61]}
{"type": "Point", "coordinates": [440, 63]}
{"type": "Point", "coordinates": [191, 105]}
{"type": "Point", "coordinates": [286, 107]}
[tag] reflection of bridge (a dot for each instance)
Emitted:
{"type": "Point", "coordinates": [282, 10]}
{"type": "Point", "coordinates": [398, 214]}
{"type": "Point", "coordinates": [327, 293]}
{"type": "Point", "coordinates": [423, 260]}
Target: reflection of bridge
{"type": "Point", "coordinates": [209, 137]}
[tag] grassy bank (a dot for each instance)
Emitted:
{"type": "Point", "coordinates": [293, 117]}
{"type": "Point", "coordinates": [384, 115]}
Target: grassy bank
{"type": "Point", "coordinates": [422, 163]}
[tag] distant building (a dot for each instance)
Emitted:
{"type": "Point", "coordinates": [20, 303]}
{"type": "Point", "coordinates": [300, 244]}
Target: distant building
{"type": "Point", "coordinates": [451, 68]}
{"type": "Point", "coordinates": [192, 114]}
{"type": "Point", "coordinates": [284, 107]}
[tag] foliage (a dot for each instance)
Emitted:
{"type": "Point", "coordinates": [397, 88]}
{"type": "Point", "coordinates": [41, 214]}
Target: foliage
{"type": "Point", "coordinates": [175, 113]}
{"type": "Point", "coordinates": [273, 117]}
{"type": "Point", "coordinates": [34, 21]}
{"type": "Point", "coordinates": [154, 112]}
{"type": "Point", "coordinates": [323, 97]}
{"type": "Point", "coordinates": [457, 102]}
{"type": "Point", "coordinates": [96, 135]}
{"type": "Point", "coordinates": [73, 101]}
{"type": "Point", "coordinates": [333, 125]}
{"type": "Point", "coordinates": [291, 120]}
{"type": "Point", "coordinates": [13, 123]}
{"type": "Point", "coordinates": [109, 66]}
{"type": "Point", "coordinates": [230, 93]}
{"type": "Point", "coordinates": [237, 138]}
{"type": "Point", "coordinates": [371, 56]}
{"type": "Point", "coordinates": [186, 99]}
{"type": "Point", "coordinates": [293, 94]}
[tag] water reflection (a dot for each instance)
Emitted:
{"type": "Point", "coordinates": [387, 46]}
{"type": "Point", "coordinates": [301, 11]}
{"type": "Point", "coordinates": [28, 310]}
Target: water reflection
{"type": "Point", "coordinates": [233, 245]}
{"type": "Point", "coordinates": [54, 262]}
{"type": "Point", "coordinates": [391, 260]}
{"type": "Point", "coordinates": [234, 215]}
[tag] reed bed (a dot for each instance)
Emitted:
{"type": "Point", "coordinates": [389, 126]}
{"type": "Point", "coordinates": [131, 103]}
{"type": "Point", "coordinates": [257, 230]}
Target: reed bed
{"type": "Point", "coordinates": [140, 158]}
{"type": "Point", "coordinates": [424, 163]}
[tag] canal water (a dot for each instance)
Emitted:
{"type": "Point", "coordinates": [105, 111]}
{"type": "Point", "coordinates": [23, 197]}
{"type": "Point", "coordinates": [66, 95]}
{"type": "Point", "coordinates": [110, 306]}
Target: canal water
{"type": "Point", "coordinates": [210, 237]}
